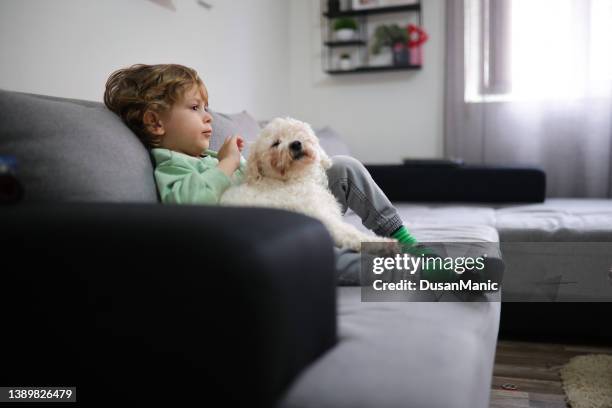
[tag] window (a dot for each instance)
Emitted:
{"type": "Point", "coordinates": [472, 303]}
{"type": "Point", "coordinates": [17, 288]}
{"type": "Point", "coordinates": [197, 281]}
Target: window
{"type": "Point", "coordinates": [537, 49]}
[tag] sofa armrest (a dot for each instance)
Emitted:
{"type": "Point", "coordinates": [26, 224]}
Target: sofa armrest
{"type": "Point", "coordinates": [153, 303]}
{"type": "Point", "coordinates": [461, 183]}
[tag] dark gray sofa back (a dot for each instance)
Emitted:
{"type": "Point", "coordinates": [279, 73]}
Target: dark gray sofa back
{"type": "Point", "coordinates": [73, 150]}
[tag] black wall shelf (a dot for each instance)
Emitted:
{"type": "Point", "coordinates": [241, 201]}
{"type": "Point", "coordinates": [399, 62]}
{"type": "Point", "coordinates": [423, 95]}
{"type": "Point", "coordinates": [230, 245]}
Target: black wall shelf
{"type": "Point", "coordinates": [363, 70]}
{"type": "Point", "coordinates": [371, 11]}
{"type": "Point", "coordinates": [361, 42]}
{"type": "Point", "coordinates": [344, 43]}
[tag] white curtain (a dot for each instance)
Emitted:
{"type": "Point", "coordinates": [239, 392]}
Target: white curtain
{"type": "Point", "coordinates": [529, 83]}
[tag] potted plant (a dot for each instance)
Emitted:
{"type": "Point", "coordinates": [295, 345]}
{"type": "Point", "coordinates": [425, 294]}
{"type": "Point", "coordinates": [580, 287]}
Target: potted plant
{"type": "Point", "coordinates": [345, 28]}
{"type": "Point", "coordinates": [345, 62]}
{"type": "Point", "coordinates": [396, 38]}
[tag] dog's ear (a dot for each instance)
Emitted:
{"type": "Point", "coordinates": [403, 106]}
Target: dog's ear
{"type": "Point", "coordinates": [324, 159]}
{"type": "Point", "coordinates": [253, 168]}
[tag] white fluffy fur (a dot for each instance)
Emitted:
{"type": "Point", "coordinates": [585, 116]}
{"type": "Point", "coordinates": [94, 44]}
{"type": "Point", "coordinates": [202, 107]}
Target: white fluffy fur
{"type": "Point", "coordinates": [279, 177]}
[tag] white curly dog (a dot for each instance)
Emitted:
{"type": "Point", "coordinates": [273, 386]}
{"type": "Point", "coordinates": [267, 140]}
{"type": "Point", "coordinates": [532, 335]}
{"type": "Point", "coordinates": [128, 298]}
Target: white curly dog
{"type": "Point", "coordinates": [286, 169]}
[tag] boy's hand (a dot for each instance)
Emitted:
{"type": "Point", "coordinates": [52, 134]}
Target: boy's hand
{"type": "Point", "coordinates": [240, 142]}
{"type": "Point", "coordinates": [229, 155]}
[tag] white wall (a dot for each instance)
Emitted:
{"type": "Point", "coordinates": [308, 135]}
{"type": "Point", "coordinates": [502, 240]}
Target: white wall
{"type": "Point", "coordinates": [384, 116]}
{"type": "Point", "coordinates": [258, 55]}
{"type": "Point", "coordinates": [69, 47]}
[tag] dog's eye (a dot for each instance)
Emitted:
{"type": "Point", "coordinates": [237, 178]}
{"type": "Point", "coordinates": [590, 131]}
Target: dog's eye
{"type": "Point", "coordinates": [276, 143]}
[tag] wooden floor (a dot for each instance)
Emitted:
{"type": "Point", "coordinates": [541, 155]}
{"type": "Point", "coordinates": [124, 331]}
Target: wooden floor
{"type": "Point", "coordinates": [533, 368]}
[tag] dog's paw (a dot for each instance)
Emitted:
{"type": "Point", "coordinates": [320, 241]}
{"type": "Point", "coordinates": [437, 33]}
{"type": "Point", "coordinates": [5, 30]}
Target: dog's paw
{"type": "Point", "coordinates": [382, 246]}
{"type": "Point", "coordinates": [353, 244]}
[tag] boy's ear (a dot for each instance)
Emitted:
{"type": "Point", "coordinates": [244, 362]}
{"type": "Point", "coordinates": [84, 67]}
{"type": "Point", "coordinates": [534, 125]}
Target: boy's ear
{"type": "Point", "coordinates": [153, 123]}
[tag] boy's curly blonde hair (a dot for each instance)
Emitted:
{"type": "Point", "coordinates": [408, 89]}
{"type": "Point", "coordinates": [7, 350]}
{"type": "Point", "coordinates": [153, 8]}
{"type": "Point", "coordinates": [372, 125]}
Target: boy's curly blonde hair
{"type": "Point", "coordinates": [130, 92]}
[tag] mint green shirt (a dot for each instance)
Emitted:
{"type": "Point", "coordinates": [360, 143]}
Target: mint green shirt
{"type": "Point", "coordinates": [184, 179]}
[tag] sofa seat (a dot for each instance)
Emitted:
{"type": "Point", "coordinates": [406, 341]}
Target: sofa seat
{"type": "Point", "coordinates": [556, 219]}
{"type": "Point", "coordinates": [562, 239]}
{"type": "Point", "coordinates": [439, 224]}
{"type": "Point", "coordinates": [398, 354]}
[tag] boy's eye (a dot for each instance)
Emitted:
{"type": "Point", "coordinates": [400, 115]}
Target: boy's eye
{"type": "Point", "coordinates": [276, 143]}
{"type": "Point", "coordinates": [198, 107]}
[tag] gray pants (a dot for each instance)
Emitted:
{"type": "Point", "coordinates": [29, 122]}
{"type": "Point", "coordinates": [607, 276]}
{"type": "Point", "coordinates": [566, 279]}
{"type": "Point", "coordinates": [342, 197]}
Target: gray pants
{"type": "Point", "coordinates": [354, 188]}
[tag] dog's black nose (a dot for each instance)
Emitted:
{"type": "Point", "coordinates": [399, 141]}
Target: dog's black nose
{"type": "Point", "coordinates": [296, 146]}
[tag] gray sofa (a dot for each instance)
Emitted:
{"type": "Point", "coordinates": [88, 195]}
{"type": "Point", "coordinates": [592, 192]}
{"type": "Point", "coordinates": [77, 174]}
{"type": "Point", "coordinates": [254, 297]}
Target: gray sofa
{"type": "Point", "coordinates": [284, 334]}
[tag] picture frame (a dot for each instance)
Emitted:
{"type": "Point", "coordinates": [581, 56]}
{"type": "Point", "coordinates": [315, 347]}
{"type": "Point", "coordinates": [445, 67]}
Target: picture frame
{"type": "Point", "coordinates": [391, 3]}
{"type": "Point", "coordinates": [365, 4]}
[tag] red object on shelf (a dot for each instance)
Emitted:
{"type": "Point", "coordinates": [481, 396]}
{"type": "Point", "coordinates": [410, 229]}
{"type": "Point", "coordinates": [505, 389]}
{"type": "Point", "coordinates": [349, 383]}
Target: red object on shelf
{"type": "Point", "coordinates": [416, 38]}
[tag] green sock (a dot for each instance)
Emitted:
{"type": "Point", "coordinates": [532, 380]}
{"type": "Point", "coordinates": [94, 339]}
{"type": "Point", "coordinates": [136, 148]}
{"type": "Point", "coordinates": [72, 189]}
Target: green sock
{"type": "Point", "coordinates": [403, 237]}
{"type": "Point", "coordinates": [431, 270]}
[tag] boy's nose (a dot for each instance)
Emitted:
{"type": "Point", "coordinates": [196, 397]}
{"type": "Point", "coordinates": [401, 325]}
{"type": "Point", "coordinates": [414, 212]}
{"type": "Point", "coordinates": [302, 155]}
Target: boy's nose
{"type": "Point", "coordinates": [207, 118]}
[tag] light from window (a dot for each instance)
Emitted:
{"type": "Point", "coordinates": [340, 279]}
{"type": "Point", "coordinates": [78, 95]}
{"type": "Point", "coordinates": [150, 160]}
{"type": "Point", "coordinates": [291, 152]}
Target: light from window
{"type": "Point", "coordinates": [559, 49]}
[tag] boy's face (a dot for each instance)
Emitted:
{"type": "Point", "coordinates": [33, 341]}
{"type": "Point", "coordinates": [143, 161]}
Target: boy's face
{"type": "Point", "coordinates": [187, 127]}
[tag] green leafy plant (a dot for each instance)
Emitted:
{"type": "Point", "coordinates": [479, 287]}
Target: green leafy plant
{"type": "Point", "coordinates": [345, 23]}
{"type": "Point", "coordinates": [345, 56]}
{"type": "Point", "coordinates": [387, 36]}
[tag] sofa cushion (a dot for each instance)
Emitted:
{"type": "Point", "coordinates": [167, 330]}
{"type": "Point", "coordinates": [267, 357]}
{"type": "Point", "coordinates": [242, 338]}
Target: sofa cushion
{"type": "Point", "coordinates": [403, 354]}
{"type": "Point", "coordinates": [432, 182]}
{"type": "Point", "coordinates": [225, 125]}
{"type": "Point", "coordinates": [565, 240]}
{"type": "Point", "coordinates": [482, 239]}
{"type": "Point", "coordinates": [71, 150]}
{"type": "Point", "coordinates": [440, 223]}
{"type": "Point", "coordinates": [557, 219]}
{"type": "Point", "coordinates": [332, 142]}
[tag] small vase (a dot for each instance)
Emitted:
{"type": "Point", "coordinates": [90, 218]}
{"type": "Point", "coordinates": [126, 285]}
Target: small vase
{"type": "Point", "coordinates": [383, 59]}
{"type": "Point", "coordinates": [345, 34]}
{"type": "Point", "coordinates": [416, 55]}
{"type": "Point", "coordinates": [346, 64]}
{"type": "Point", "coordinates": [401, 55]}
